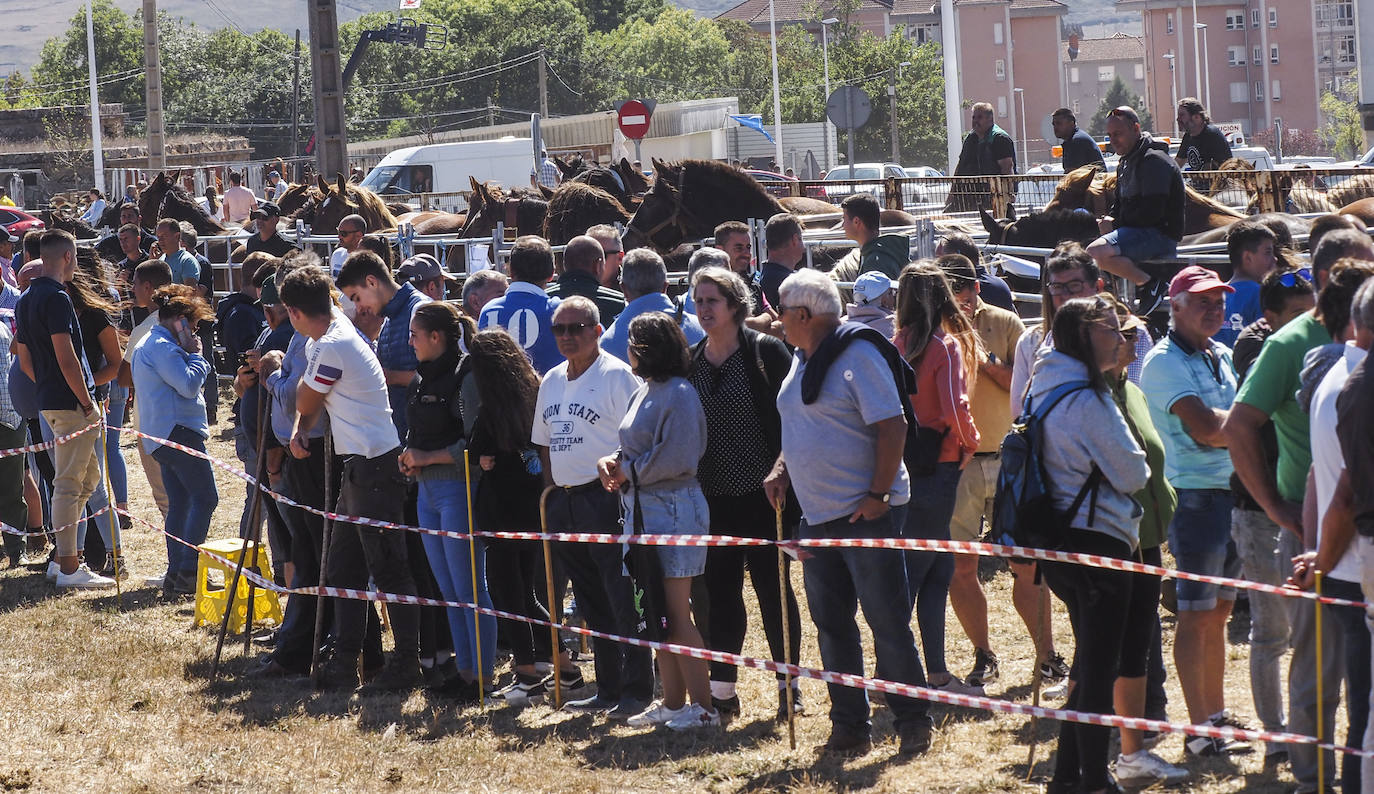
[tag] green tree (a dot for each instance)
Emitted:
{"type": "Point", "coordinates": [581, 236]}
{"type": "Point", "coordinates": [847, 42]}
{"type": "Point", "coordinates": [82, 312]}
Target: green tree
{"type": "Point", "coordinates": [61, 73]}
{"type": "Point", "coordinates": [1118, 94]}
{"type": "Point", "coordinates": [603, 16]}
{"type": "Point", "coordinates": [1341, 131]}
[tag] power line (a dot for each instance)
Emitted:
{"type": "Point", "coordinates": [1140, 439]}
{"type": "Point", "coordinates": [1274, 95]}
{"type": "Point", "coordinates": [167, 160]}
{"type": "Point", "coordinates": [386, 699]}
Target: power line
{"type": "Point", "coordinates": [446, 80]}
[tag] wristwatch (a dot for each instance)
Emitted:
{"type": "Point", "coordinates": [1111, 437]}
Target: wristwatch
{"type": "Point", "coordinates": [881, 497]}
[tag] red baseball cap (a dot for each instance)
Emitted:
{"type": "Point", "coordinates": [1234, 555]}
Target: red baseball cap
{"type": "Point", "coordinates": [1196, 278]}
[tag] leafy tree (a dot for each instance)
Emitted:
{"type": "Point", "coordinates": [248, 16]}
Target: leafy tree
{"type": "Point", "coordinates": [61, 73]}
{"type": "Point", "coordinates": [603, 16]}
{"type": "Point", "coordinates": [1118, 94]}
{"type": "Point", "coordinates": [1342, 130]}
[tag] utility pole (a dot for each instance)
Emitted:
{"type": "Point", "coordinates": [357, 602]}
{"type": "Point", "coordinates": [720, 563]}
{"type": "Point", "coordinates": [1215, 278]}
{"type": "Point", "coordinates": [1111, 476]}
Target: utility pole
{"type": "Point", "coordinates": [97, 148]}
{"type": "Point", "coordinates": [892, 111]}
{"type": "Point", "coordinates": [491, 113]}
{"type": "Point", "coordinates": [331, 137]}
{"type": "Point", "coordinates": [152, 91]}
{"type": "Point", "coordinates": [296, 100]}
{"type": "Point", "coordinates": [543, 85]}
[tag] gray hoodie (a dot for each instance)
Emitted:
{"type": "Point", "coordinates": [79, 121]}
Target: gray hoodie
{"type": "Point", "coordinates": [1085, 428]}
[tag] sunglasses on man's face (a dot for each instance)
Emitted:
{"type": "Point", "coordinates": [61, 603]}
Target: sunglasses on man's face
{"type": "Point", "coordinates": [568, 329]}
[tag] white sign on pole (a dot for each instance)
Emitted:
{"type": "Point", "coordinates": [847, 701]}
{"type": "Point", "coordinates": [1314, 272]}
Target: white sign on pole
{"type": "Point", "coordinates": [407, 5]}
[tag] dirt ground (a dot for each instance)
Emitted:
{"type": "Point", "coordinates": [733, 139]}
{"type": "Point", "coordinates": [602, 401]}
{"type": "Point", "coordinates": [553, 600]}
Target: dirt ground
{"type": "Point", "coordinates": [114, 694]}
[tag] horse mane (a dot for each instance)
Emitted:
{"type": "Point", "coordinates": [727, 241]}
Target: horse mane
{"type": "Point", "coordinates": [577, 206]}
{"type": "Point", "coordinates": [178, 195]}
{"type": "Point", "coordinates": [1049, 228]}
{"type": "Point", "coordinates": [372, 208]}
{"type": "Point", "coordinates": [1209, 204]}
{"type": "Point", "coordinates": [730, 192]}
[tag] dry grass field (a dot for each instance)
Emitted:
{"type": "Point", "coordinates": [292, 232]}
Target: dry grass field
{"type": "Point", "coordinates": [115, 695]}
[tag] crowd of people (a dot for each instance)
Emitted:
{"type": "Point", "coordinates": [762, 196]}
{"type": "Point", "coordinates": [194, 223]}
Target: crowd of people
{"type": "Point", "coordinates": [769, 401]}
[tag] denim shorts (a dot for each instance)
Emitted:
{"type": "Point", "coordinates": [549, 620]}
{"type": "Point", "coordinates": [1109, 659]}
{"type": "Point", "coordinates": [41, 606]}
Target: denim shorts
{"type": "Point", "coordinates": [674, 511]}
{"type": "Point", "coordinates": [1200, 539]}
{"type": "Point", "coordinates": [1139, 243]}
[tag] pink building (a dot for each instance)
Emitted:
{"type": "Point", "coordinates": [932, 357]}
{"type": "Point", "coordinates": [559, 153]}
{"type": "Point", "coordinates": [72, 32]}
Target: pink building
{"type": "Point", "coordinates": [1008, 53]}
{"type": "Point", "coordinates": [1252, 61]}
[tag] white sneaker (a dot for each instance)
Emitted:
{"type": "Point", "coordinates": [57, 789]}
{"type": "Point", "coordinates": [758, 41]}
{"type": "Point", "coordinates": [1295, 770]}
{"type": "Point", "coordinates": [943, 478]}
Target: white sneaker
{"type": "Point", "coordinates": [83, 578]}
{"type": "Point", "coordinates": [53, 570]}
{"type": "Point", "coordinates": [155, 581]}
{"type": "Point", "coordinates": [1056, 691]}
{"type": "Point", "coordinates": [694, 716]}
{"type": "Point", "coordinates": [1146, 769]}
{"type": "Point", "coordinates": [655, 714]}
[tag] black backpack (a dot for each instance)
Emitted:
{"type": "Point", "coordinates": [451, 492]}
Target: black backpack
{"type": "Point", "coordinates": [1023, 509]}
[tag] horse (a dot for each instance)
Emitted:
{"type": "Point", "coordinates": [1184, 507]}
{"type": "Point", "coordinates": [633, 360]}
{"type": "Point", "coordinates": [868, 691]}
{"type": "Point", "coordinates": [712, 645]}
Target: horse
{"type": "Point", "coordinates": [180, 205]}
{"type": "Point", "coordinates": [109, 219]}
{"type": "Point", "coordinates": [1044, 229]}
{"type": "Point", "coordinates": [1089, 189]}
{"type": "Point", "coordinates": [1285, 226]}
{"type": "Point", "coordinates": [1363, 209]}
{"type": "Point", "coordinates": [576, 207]}
{"type": "Point", "coordinates": [293, 198]}
{"type": "Point", "coordinates": [690, 198]}
{"type": "Point", "coordinates": [609, 179]}
{"type": "Point", "coordinates": [342, 199]}
{"type": "Point", "coordinates": [68, 222]}
{"type": "Point", "coordinates": [1351, 190]}
{"type": "Point", "coordinates": [150, 197]}
{"type": "Point", "coordinates": [1307, 198]}
{"type": "Point", "coordinates": [488, 205]}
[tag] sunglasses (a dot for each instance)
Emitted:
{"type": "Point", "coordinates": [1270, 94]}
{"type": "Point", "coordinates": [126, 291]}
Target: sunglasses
{"type": "Point", "coordinates": [1289, 280]}
{"type": "Point", "coordinates": [568, 329]}
{"type": "Point", "coordinates": [1124, 113]}
{"type": "Point", "coordinates": [1074, 287]}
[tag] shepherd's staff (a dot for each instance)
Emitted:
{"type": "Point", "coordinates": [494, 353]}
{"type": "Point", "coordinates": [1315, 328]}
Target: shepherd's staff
{"type": "Point", "coordinates": [554, 644]}
{"type": "Point", "coordinates": [324, 557]}
{"type": "Point", "coordinates": [253, 514]}
{"type": "Point", "coordinates": [786, 632]}
{"type": "Point", "coordinates": [472, 562]}
{"type": "Point", "coordinates": [1321, 719]}
{"type": "Point", "coordinates": [114, 514]}
{"type": "Point", "coordinates": [1036, 674]}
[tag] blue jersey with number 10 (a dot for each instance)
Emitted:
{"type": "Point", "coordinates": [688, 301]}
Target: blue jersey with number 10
{"type": "Point", "coordinates": [526, 313]}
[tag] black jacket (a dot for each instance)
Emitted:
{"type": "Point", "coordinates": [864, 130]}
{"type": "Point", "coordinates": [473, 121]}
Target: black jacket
{"type": "Point", "coordinates": [769, 361]}
{"type": "Point", "coordinates": [1149, 189]}
{"type": "Point", "coordinates": [433, 411]}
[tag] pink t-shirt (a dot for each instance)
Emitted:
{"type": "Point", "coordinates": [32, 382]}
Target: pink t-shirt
{"type": "Point", "coordinates": [941, 399]}
{"type": "Point", "coordinates": [239, 202]}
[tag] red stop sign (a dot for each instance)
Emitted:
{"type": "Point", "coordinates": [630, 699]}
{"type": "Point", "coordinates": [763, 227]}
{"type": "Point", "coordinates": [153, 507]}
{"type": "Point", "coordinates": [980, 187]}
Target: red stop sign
{"type": "Point", "coordinates": [633, 119]}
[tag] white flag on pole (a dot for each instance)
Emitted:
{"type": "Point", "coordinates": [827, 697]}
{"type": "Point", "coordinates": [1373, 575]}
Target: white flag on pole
{"type": "Point", "coordinates": [409, 4]}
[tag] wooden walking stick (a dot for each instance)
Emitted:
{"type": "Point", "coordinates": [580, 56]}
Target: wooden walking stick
{"type": "Point", "coordinates": [328, 535]}
{"type": "Point", "coordinates": [1321, 718]}
{"type": "Point", "coordinates": [472, 563]}
{"type": "Point", "coordinates": [232, 589]}
{"type": "Point", "coordinates": [786, 633]}
{"type": "Point", "coordinates": [1036, 674]}
{"type": "Point", "coordinates": [554, 611]}
{"type": "Point", "coordinates": [114, 515]}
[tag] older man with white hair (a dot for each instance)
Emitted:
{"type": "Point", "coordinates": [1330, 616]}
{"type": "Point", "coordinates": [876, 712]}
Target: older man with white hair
{"type": "Point", "coordinates": [843, 430]}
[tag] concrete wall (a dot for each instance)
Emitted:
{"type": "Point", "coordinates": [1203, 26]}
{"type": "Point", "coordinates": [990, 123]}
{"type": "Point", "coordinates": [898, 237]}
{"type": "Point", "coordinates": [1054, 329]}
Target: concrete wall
{"type": "Point", "coordinates": [32, 124]}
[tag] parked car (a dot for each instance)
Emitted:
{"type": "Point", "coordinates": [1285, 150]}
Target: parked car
{"type": "Point", "coordinates": [17, 222]}
{"type": "Point", "coordinates": [924, 195]}
{"type": "Point", "coordinates": [875, 171]}
{"type": "Point", "coordinates": [772, 181]}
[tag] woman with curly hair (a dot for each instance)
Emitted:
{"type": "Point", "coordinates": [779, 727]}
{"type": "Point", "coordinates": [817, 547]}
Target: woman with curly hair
{"type": "Point", "coordinates": [169, 372]}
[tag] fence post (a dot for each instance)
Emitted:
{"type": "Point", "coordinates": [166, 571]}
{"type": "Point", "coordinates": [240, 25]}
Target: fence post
{"type": "Point", "coordinates": [1001, 195]}
{"type": "Point", "coordinates": [1268, 191]}
{"type": "Point", "coordinates": [892, 193]}
{"type": "Point", "coordinates": [794, 189]}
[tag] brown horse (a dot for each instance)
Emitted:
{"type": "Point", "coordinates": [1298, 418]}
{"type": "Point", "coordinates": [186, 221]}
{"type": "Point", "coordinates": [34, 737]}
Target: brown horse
{"type": "Point", "coordinates": [576, 207]}
{"type": "Point", "coordinates": [1090, 189]}
{"type": "Point", "coordinates": [342, 199]}
{"type": "Point", "coordinates": [1363, 209]}
{"type": "Point", "coordinates": [488, 205]}
{"type": "Point", "coordinates": [150, 197]}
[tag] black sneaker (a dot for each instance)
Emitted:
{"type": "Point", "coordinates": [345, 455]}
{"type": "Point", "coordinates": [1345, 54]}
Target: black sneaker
{"type": "Point", "coordinates": [1150, 296]}
{"type": "Point", "coordinates": [985, 669]}
{"type": "Point", "coordinates": [914, 739]}
{"type": "Point", "coordinates": [846, 743]}
{"type": "Point", "coordinates": [1054, 669]}
{"type": "Point", "coordinates": [523, 689]}
{"type": "Point", "coordinates": [457, 689]}
{"type": "Point", "coordinates": [726, 707]}
{"type": "Point", "coordinates": [401, 673]}
{"type": "Point", "coordinates": [569, 681]}
{"type": "Point", "coordinates": [1210, 746]}
{"type": "Point", "coordinates": [798, 707]}
{"type": "Point", "coordinates": [338, 672]}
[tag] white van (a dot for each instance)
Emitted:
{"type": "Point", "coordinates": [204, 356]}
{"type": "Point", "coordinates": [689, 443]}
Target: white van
{"type": "Point", "coordinates": [445, 167]}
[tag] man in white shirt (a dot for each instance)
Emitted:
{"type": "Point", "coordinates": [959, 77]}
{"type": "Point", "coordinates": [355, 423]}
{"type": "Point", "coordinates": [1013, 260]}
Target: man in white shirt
{"type": "Point", "coordinates": [345, 380]}
{"type": "Point", "coordinates": [576, 422]}
{"type": "Point", "coordinates": [238, 201]}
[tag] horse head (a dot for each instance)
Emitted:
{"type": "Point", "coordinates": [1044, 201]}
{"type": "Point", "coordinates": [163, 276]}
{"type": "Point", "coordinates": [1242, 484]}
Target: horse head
{"type": "Point", "coordinates": [657, 222]}
{"type": "Point", "coordinates": [996, 229]}
{"type": "Point", "coordinates": [333, 207]}
{"type": "Point", "coordinates": [572, 168]}
{"type": "Point", "coordinates": [178, 204]}
{"type": "Point", "coordinates": [635, 182]}
{"type": "Point", "coordinates": [485, 210]}
{"type": "Point", "coordinates": [150, 198]}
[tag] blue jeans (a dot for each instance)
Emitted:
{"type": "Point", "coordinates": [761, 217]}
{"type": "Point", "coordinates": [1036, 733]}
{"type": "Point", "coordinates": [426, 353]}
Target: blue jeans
{"type": "Point", "coordinates": [443, 505]}
{"type": "Point", "coordinates": [114, 417]}
{"type": "Point", "coordinates": [1357, 676]}
{"type": "Point", "coordinates": [928, 573]}
{"type": "Point", "coordinates": [838, 582]}
{"type": "Point", "coordinates": [1200, 539]}
{"type": "Point", "coordinates": [191, 501]}
{"type": "Point", "coordinates": [1264, 558]}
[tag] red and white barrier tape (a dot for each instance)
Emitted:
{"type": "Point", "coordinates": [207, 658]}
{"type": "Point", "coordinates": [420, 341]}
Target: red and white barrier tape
{"type": "Point", "coordinates": [840, 679]}
{"type": "Point", "coordinates": [23, 533]}
{"type": "Point", "coordinates": [905, 544]}
{"type": "Point", "coordinates": [24, 450]}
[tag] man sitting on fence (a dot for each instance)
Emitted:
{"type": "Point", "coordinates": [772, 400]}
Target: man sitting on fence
{"type": "Point", "coordinates": [1146, 220]}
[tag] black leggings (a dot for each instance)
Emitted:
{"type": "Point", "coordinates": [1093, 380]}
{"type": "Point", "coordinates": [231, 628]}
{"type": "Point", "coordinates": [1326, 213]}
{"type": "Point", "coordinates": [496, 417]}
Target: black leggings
{"type": "Point", "coordinates": [1098, 601]}
{"type": "Point", "coordinates": [515, 580]}
{"type": "Point", "coordinates": [746, 516]}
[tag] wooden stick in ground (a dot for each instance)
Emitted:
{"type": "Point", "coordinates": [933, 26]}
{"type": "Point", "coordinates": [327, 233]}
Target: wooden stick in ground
{"type": "Point", "coordinates": [327, 536]}
{"type": "Point", "coordinates": [117, 563]}
{"type": "Point", "coordinates": [232, 588]}
{"type": "Point", "coordinates": [554, 608]}
{"type": "Point", "coordinates": [1321, 721]}
{"type": "Point", "coordinates": [786, 633]}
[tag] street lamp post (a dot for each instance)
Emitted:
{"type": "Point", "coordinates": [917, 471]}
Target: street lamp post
{"type": "Point", "coordinates": [1025, 145]}
{"type": "Point", "coordinates": [1197, 56]}
{"type": "Point", "coordinates": [1173, 83]}
{"type": "Point", "coordinates": [892, 110]}
{"type": "Point", "coordinates": [825, 55]}
{"type": "Point", "coordinates": [1207, 79]}
{"type": "Point", "coordinates": [777, 96]}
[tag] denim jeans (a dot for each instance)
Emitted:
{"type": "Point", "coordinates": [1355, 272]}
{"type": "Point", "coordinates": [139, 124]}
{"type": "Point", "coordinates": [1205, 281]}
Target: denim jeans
{"type": "Point", "coordinates": [1356, 642]}
{"type": "Point", "coordinates": [244, 450]}
{"type": "Point", "coordinates": [1258, 543]}
{"type": "Point", "coordinates": [105, 523]}
{"type": "Point", "coordinates": [928, 573]}
{"type": "Point", "coordinates": [443, 505]}
{"type": "Point", "coordinates": [114, 418]}
{"type": "Point", "coordinates": [839, 581]}
{"type": "Point", "coordinates": [624, 673]}
{"type": "Point", "coordinates": [191, 501]}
